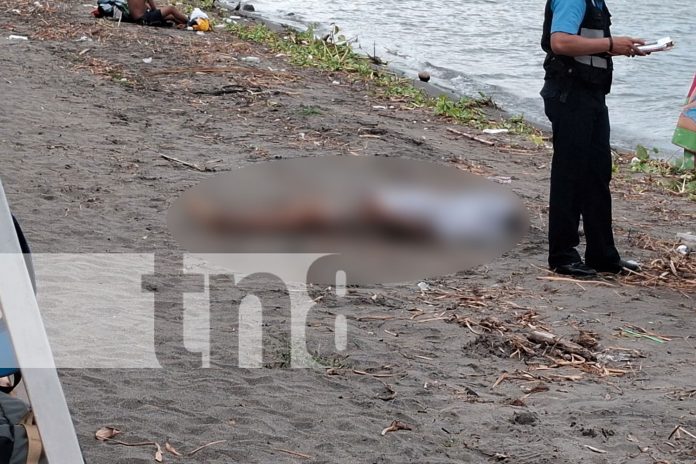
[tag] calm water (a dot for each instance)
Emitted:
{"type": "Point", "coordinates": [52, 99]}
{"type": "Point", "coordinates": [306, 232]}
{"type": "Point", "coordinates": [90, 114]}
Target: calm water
{"type": "Point", "coordinates": [493, 46]}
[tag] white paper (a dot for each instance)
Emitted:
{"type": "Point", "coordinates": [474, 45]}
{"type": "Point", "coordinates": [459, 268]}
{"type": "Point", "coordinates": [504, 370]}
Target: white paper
{"type": "Point", "coordinates": [660, 45]}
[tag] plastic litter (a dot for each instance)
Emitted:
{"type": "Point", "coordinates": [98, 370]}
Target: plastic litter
{"type": "Point", "coordinates": [687, 237]}
{"type": "Point", "coordinates": [18, 37]}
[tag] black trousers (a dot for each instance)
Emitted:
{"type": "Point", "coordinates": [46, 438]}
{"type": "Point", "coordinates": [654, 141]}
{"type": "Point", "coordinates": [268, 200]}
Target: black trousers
{"type": "Point", "coordinates": [580, 177]}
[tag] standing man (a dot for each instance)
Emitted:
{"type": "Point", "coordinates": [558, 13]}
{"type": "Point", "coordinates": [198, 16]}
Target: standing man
{"type": "Point", "coordinates": [578, 65]}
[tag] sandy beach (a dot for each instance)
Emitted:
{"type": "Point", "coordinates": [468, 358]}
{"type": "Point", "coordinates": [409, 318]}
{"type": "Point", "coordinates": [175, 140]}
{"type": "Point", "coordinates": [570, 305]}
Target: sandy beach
{"type": "Point", "coordinates": [84, 124]}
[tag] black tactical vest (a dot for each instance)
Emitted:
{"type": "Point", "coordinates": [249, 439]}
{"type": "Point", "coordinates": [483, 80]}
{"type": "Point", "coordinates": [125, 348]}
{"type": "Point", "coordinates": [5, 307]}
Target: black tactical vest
{"type": "Point", "coordinates": [592, 71]}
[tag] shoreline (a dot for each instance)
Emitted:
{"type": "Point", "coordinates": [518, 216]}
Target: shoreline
{"type": "Point", "coordinates": [667, 151]}
{"type": "Point", "coordinates": [86, 125]}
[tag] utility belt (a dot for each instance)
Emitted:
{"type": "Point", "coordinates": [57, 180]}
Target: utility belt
{"type": "Point", "coordinates": [586, 73]}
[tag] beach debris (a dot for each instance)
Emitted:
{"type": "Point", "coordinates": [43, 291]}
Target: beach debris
{"type": "Point", "coordinates": [376, 59]}
{"type": "Point", "coordinates": [395, 426]}
{"type": "Point", "coordinates": [579, 282]}
{"type": "Point", "coordinates": [557, 342]}
{"type": "Point", "coordinates": [424, 76]}
{"type": "Point", "coordinates": [168, 446]}
{"type": "Point", "coordinates": [587, 339]}
{"type": "Point", "coordinates": [495, 131]}
{"type": "Point", "coordinates": [212, 443]}
{"type": "Point", "coordinates": [471, 137]}
{"type": "Point", "coordinates": [500, 179]}
{"type": "Point", "coordinates": [388, 394]}
{"type": "Point", "coordinates": [251, 59]}
{"type": "Point", "coordinates": [293, 453]}
{"type": "Point", "coordinates": [186, 163]}
{"type": "Point", "coordinates": [670, 268]}
{"type": "Point", "coordinates": [147, 60]}
{"type": "Point", "coordinates": [17, 37]}
{"type": "Point", "coordinates": [106, 433]}
{"type": "Point", "coordinates": [595, 450]}
{"type": "Point", "coordinates": [687, 237]}
{"type": "Point", "coordinates": [639, 332]}
{"type": "Point", "coordinates": [84, 38]}
{"type": "Point", "coordinates": [683, 250]}
{"type": "Point", "coordinates": [678, 430]}
{"type": "Point", "coordinates": [423, 287]}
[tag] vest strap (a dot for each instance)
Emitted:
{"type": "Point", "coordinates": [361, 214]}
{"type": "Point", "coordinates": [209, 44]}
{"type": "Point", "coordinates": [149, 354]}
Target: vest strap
{"type": "Point", "coordinates": [34, 445]}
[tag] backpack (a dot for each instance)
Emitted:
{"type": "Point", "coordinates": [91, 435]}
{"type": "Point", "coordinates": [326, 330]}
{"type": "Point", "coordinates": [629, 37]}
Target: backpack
{"type": "Point", "coordinates": [19, 437]}
{"type": "Point", "coordinates": [113, 8]}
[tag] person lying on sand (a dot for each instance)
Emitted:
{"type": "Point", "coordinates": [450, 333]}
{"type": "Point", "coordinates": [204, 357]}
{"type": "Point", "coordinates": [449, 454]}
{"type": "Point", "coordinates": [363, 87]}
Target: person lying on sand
{"type": "Point", "coordinates": [146, 13]}
{"type": "Point", "coordinates": [395, 212]}
{"type": "Point", "coordinates": [143, 12]}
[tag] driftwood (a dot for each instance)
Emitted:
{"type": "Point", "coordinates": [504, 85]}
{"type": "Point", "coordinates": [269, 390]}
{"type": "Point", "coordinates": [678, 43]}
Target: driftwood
{"type": "Point", "coordinates": [540, 336]}
{"type": "Point", "coordinates": [471, 137]}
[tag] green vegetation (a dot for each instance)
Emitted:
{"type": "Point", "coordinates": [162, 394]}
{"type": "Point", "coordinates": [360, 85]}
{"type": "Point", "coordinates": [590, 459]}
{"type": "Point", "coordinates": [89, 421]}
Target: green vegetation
{"type": "Point", "coordinates": [309, 110]}
{"type": "Point", "coordinates": [673, 176]}
{"type": "Point", "coordinates": [334, 53]}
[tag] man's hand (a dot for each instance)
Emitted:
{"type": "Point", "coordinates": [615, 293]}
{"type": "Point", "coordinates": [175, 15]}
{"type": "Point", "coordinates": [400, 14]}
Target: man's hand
{"type": "Point", "coordinates": [575, 45]}
{"type": "Point", "coordinates": [627, 46]}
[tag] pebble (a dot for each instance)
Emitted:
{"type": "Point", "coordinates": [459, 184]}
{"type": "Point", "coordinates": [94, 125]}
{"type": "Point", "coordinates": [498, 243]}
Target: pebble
{"type": "Point", "coordinates": [424, 76]}
{"type": "Point", "coordinates": [525, 418]}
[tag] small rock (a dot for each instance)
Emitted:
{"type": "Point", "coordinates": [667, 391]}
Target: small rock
{"type": "Point", "coordinates": [248, 7]}
{"type": "Point", "coordinates": [525, 418]}
{"type": "Point", "coordinates": [424, 76]}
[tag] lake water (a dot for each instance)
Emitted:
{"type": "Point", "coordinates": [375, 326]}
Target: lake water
{"type": "Point", "coordinates": [492, 46]}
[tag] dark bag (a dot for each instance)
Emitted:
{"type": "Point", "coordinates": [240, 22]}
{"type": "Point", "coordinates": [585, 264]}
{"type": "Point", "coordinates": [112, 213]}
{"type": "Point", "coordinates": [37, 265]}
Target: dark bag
{"type": "Point", "coordinates": [19, 437]}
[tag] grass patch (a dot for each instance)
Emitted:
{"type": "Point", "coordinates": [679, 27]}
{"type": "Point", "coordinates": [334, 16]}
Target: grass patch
{"type": "Point", "coordinates": [334, 53]}
{"type": "Point", "coordinates": [674, 176]}
{"type": "Point", "coordinates": [309, 110]}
